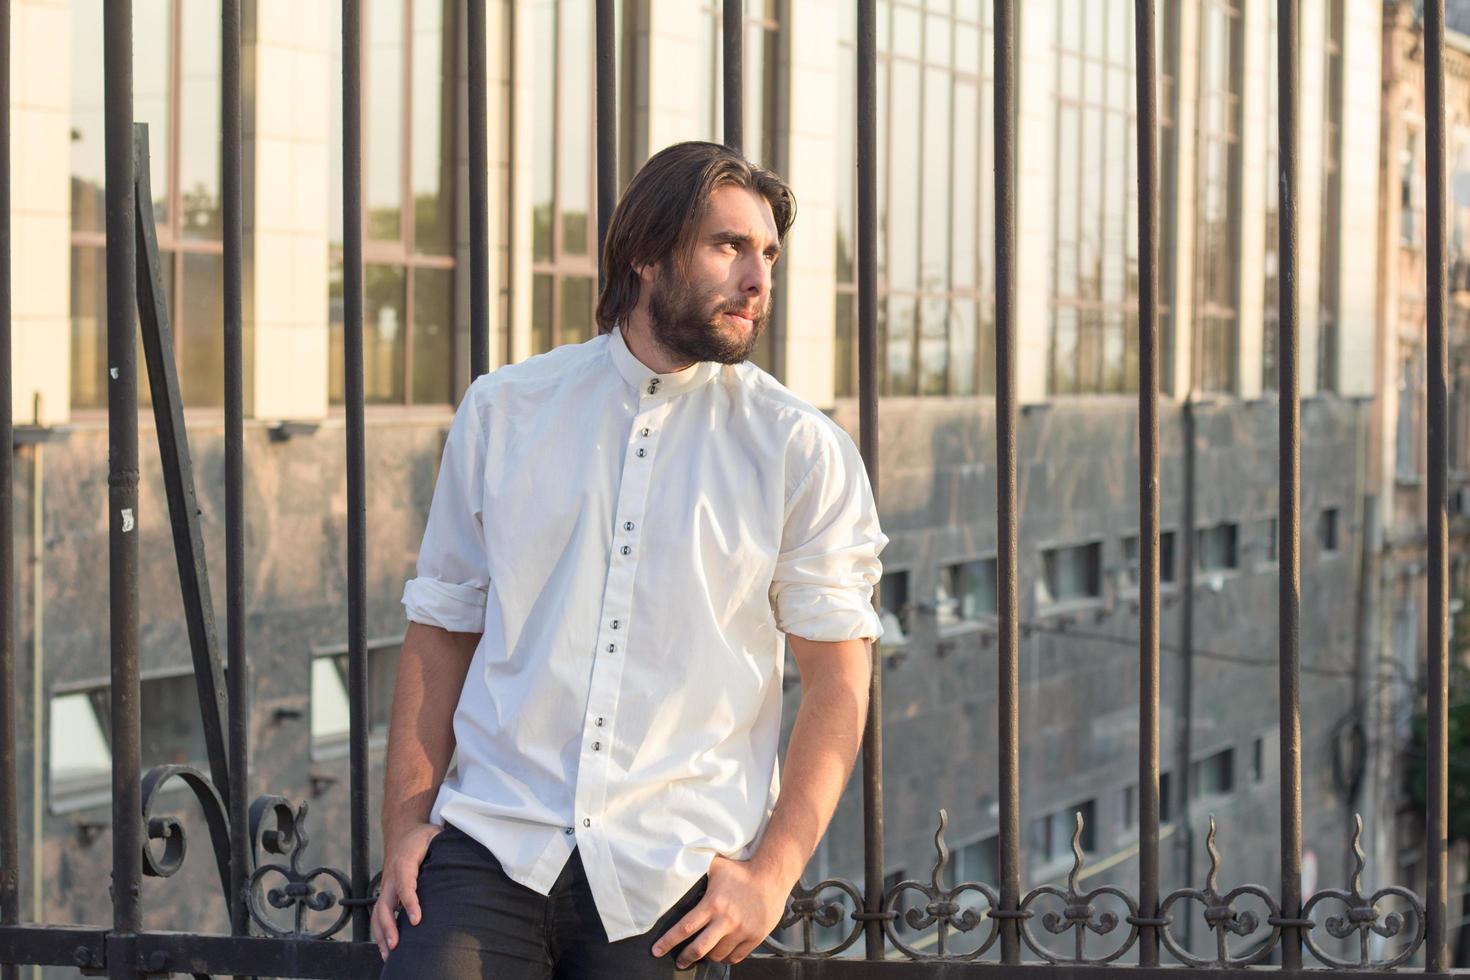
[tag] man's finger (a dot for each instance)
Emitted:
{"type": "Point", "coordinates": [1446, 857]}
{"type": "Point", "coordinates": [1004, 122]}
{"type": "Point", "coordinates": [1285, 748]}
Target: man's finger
{"type": "Point", "coordinates": [745, 949]}
{"type": "Point", "coordinates": [702, 944]}
{"type": "Point", "coordinates": [726, 946]}
{"type": "Point", "coordinates": [409, 898]}
{"type": "Point", "coordinates": [683, 929]}
{"type": "Point", "coordinates": [383, 918]}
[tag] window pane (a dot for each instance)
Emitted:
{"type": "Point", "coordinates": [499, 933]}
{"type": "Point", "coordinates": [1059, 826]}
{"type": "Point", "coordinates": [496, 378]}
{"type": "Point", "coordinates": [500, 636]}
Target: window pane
{"type": "Point", "coordinates": [432, 146]}
{"type": "Point", "coordinates": [199, 332]}
{"type": "Point", "coordinates": [329, 706]}
{"type": "Point", "coordinates": [576, 310]}
{"type": "Point", "coordinates": [541, 314]}
{"type": "Point", "coordinates": [846, 170]}
{"type": "Point", "coordinates": [382, 335]}
{"type": "Point", "coordinates": [335, 314]}
{"type": "Point", "coordinates": [962, 348]}
{"type": "Point", "coordinates": [543, 108]}
{"type": "Point", "coordinates": [88, 163]}
{"type": "Point", "coordinates": [151, 90]}
{"type": "Point", "coordinates": [965, 203]}
{"type": "Point", "coordinates": [844, 359]}
{"type": "Point", "coordinates": [903, 204]}
{"type": "Point", "coordinates": [383, 122]}
{"type": "Point", "coordinates": [900, 346]}
{"type": "Point", "coordinates": [574, 151]}
{"type": "Point", "coordinates": [199, 125]}
{"type": "Point", "coordinates": [172, 730]}
{"type": "Point", "coordinates": [433, 336]}
{"type": "Point", "coordinates": [78, 748]}
{"type": "Point", "coordinates": [934, 346]}
{"type": "Point", "coordinates": [88, 327]}
{"type": "Point", "coordinates": [937, 203]}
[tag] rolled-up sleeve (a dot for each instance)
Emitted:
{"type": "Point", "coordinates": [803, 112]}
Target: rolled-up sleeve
{"type": "Point", "coordinates": [452, 577]}
{"type": "Point", "coordinates": [823, 584]}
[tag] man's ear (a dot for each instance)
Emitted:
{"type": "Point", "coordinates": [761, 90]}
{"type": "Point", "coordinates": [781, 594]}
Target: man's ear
{"type": "Point", "coordinates": [647, 273]}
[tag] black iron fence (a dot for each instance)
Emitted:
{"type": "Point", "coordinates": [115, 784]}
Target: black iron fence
{"type": "Point", "coordinates": [288, 919]}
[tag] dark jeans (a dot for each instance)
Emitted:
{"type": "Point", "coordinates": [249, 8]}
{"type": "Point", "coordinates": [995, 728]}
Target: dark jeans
{"type": "Point", "coordinates": [477, 922]}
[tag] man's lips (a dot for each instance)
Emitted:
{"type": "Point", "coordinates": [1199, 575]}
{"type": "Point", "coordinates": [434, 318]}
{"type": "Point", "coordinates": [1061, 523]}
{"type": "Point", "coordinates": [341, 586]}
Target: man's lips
{"type": "Point", "coordinates": [747, 318]}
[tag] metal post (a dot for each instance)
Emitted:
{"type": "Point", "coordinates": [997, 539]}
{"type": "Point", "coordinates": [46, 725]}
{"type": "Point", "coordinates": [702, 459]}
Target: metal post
{"type": "Point", "coordinates": [356, 476]}
{"type": "Point", "coordinates": [867, 289]}
{"type": "Point", "coordinates": [1289, 502]}
{"type": "Point", "coordinates": [1148, 486]}
{"type": "Point", "coordinates": [607, 128]}
{"type": "Point", "coordinates": [237, 678]}
{"type": "Point", "coordinates": [1436, 897]}
{"type": "Point", "coordinates": [9, 789]}
{"type": "Point", "coordinates": [734, 67]}
{"type": "Point", "coordinates": [479, 126]}
{"type": "Point", "coordinates": [1008, 686]}
{"type": "Point", "coordinates": [122, 486]}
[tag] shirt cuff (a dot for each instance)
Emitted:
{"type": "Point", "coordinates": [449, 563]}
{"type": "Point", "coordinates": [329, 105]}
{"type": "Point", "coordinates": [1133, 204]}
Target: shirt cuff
{"type": "Point", "coordinates": [827, 615]}
{"type": "Point", "coordinates": [456, 608]}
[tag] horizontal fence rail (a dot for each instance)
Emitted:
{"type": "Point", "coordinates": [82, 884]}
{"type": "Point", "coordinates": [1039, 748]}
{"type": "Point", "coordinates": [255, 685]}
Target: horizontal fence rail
{"type": "Point", "coordinates": [291, 918]}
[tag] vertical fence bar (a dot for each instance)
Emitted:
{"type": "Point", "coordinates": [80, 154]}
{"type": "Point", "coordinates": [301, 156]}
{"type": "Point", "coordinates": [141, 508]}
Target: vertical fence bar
{"type": "Point", "coordinates": [1436, 897]}
{"type": "Point", "coordinates": [238, 679]}
{"type": "Point", "coordinates": [1148, 485]}
{"type": "Point", "coordinates": [1008, 686]}
{"type": "Point", "coordinates": [1289, 599]}
{"type": "Point", "coordinates": [867, 243]}
{"type": "Point", "coordinates": [734, 69]}
{"type": "Point", "coordinates": [9, 788]}
{"type": "Point", "coordinates": [479, 126]}
{"type": "Point", "coordinates": [122, 484]}
{"type": "Point", "coordinates": [356, 476]}
{"type": "Point", "coordinates": [607, 127]}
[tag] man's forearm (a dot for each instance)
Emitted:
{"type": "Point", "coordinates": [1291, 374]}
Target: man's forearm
{"type": "Point", "coordinates": [824, 744]}
{"type": "Point", "coordinates": [431, 670]}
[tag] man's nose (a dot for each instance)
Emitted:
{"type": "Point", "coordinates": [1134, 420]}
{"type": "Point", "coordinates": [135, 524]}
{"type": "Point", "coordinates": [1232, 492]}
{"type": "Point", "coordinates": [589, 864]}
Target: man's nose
{"type": "Point", "coordinates": [755, 277]}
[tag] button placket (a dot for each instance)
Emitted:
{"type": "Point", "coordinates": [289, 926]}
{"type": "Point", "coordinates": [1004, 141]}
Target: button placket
{"type": "Point", "coordinates": [608, 657]}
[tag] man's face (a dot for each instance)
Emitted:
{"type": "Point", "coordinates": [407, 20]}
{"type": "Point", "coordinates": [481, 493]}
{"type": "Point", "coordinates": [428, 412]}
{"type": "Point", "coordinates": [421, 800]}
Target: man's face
{"type": "Point", "coordinates": [720, 311]}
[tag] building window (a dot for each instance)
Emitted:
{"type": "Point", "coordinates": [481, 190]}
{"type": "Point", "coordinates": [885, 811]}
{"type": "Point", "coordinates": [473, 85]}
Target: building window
{"type": "Point", "coordinates": [966, 593]}
{"type": "Point", "coordinates": [934, 239]}
{"type": "Point", "coordinates": [1217, 548]}
{"type": "Point", "coordinates": [977, 861]}
{"type": "Point", "coordinates": [895, 609]}
{"type": "Point", "coordinates": [1406, 442]}
{"type": "Point", "coordinates": [1270, 540]}
{"type": "Point", "coordinates": [1095, 236]}
{"type": "Point", "coordinates": [408, 177]}
{"type": "Point", "coordinates": [763, 119]}
{"type": "Point", "coordinates": [1327, 530]}
{"type": "Point", "coordinates": [1271, 311]}
{"type": "Point", "coordinates": [1258, 759]}
{"type": "Point", "coordinates": [1132, 568]}
{"type": "Point", "coordinates": [1411, 191]}
{"type": "Point", "coordinates": [330, 711]}
{"type": "Point", "coordinates": [1072, 573]}
{"type": "Point", "coordinates": [79, 752]}
{"type": "Point", "coordinates": [1330, 230]}
{"type": "Point", "coordinates": [1166, 797]}
{"type": "Point", "coordinates": [176, 91]}
{"type": "Point", "coordinates": [1217, 199]}
{"type": "Point", "coordinates": [1050, 837]}
{"type": "Point", "coordinates": [1212, 776]}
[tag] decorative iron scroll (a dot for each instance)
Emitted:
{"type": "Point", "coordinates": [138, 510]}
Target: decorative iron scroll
{"type": "Point", "coordinates": [276, 827]}
{"type": "Point", "coordinates": [1080, 916]}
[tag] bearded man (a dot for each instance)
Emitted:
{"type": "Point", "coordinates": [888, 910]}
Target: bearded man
{"type": "Point", "coordinates": [624, 536]}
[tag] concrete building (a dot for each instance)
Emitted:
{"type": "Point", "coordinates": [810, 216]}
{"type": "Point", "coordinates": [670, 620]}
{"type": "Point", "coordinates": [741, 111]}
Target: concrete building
{"type": "Point", "coordinates": [1077, 279]}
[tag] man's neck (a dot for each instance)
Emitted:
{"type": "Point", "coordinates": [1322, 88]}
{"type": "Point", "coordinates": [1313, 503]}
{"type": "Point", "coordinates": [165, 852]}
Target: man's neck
{"type": "Point", "coordinates": [638, 335]}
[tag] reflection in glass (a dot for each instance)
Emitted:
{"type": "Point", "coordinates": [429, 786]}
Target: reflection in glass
{"type": "Point", "coordinates": [903, 205]}
{"type": "Point", "coordinates": [432, 145]}
{"type": "Point", "coordinates": [543, 157]}
{"type": "Point", "coordinates": [574, 151]}
{"type": "Point", "coordinates": [88, 328]}
{"type": "Point", "coordinates": [962, 348]}
{"type": "Point", "coordinates": [383, 328]}
{"type": "Point", "coordinates": [933, 346]}
{"type": "Point", "coordinates": [845, 350]}
{"type": "Point", "coordinates": [152, 21]}
{"type": "Point", "coordinates": [88, 163]}
{"type": "Point", "coordinates": [576, 309]}
{"type": "Point", "coordinates": [541, 313]}
{"type": "Point", "coordinates": [199, 125]}
{"type": "Point", "coordinates": [335, 316]}
{"type": "Point", "coordinates": [199, 332]}
{"type": "Point", "coordinates": [383, 166]}
{"type": "Point", "coordinates": [937, 202]}
{"type": "Point", "coordinates": [900, 346]}
{"type": "Point", "coordinates": [433, 336]}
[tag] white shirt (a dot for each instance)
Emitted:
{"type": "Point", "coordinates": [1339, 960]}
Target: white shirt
{"type": "Point", "coordinates": [632, 546]}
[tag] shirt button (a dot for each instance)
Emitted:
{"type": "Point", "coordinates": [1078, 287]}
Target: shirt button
{"type": "Point", "coordinates": [644, 432]}
{"type": "Point", "coordinates": [616, 623]}
{"type": "Point", "coordinates": [627, 525]}
{"type": "Point", "coordinates": [599, 723]}
{"type": "Point", "coordinates": [596, 746]}
{"type": "Point", "coordinates": [586, 822]}
{"type": "Point", "coordinates": [569, 830]}
{"type": "Point", "coordinates": [612, 648]}
{"type": "Point", "coordinates": [627, 550]}
{"type": "Point", "coordinates": [642, 453]}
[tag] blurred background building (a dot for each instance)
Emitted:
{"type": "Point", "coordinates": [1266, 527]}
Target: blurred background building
{"type": "Point", "coordinates": [1361, 247]}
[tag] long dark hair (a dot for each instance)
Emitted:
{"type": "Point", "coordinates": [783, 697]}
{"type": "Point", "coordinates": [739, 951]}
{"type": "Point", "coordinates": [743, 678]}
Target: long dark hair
{"type": "Point", "coordinates": [661, 211]}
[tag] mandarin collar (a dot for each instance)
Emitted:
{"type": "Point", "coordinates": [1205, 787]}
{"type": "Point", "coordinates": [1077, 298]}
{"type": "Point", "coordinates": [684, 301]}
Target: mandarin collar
{"type": "Point", "coordinates": [650, 383]}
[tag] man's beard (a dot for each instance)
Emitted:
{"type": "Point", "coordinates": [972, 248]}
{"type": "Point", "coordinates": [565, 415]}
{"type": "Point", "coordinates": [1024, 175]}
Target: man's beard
{"type": "Point", "coordinates": [690, 325]}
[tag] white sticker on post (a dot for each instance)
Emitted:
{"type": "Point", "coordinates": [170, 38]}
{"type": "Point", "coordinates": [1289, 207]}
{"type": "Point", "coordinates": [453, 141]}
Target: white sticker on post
{"type": "Point", "coordinates": [127, 516]}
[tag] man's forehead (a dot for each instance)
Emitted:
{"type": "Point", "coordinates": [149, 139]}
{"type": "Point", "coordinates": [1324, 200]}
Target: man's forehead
{"type": "Point", "coordinates": [741, 211]}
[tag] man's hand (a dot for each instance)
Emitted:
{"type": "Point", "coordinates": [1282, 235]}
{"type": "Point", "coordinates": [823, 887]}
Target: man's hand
{"type": "Point", "coordinates": [400, 884]}
{"type": "Point", "coordinates": [742, 903]}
